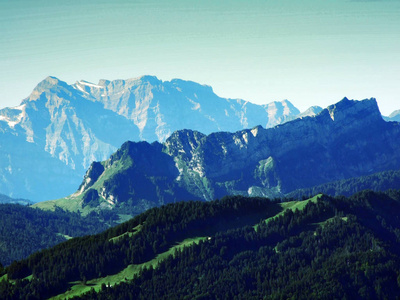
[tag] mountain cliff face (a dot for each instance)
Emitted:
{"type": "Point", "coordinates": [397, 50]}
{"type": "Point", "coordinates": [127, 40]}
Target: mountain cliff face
{"type": "Point", "coordinates": [59, 130]}
{"type": "Point", "coordinates": [348, 139]}
{"type": "Point", "coordinates": [159, 108]}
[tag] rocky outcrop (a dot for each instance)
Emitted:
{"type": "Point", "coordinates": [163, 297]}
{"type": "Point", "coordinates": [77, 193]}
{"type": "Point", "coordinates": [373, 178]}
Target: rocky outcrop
{"type": "Point", "coordinates": [159, 108]}
{"type": "Point", "coordinates": [85, 122]}
{"type": "Point", "coordinates": [345, 140]}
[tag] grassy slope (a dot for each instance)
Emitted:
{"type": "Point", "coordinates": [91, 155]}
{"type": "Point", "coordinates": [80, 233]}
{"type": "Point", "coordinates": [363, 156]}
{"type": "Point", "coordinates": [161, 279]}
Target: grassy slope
{"type": "Point", "coordinates": [74, 202]}
{"type": "Point", "coordinates": [292, 205]}
{"type": "Point", "coordinates": [128, 273]}
{"type": "Point", "coordinates": [78, 288]}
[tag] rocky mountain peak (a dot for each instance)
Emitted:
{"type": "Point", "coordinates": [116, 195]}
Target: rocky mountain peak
{"type": "Point", "coordinates": [190, 86]}
{"type": "Point", "coordinates": [183, 142]}
{"type": "Point", "coordinates": [343, 141]}
{"type": "Point", "coordinates": [74, 125]}
{"type": "Point", "coordinates": [104, 82]}
{"type": "Point", "coordinates": [289, 106]}
{"type": "Point", "coordinates": [311, 111]}
{"type": "Point", "coordinates": [49, 81]}
{"type": "Point", "coordinates": [395, 113]}
{"type": "Point", "coordinates": [50, 84]}
{"type": "Point", "coordinates": [356, 110]}
{"type": "Point", "coordinates": [150, 79]}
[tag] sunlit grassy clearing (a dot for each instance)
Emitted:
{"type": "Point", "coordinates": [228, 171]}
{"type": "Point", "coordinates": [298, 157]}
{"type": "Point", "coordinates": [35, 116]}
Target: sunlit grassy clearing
{"type": "Point", "coordinates": [128, 273]}
{"type": "Point", "coordinates": [292, 205]}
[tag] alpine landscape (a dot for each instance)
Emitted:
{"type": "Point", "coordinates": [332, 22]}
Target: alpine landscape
{"type": "Point", "coordinates": [150, 188]}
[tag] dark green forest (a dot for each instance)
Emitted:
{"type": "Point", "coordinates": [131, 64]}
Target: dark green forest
{"type": "Point", "coordinates": [336, 247]}
{"type": "Point", "coordinates": [25, 230]}
{"type": "Point", "coordinates": [381, 181]}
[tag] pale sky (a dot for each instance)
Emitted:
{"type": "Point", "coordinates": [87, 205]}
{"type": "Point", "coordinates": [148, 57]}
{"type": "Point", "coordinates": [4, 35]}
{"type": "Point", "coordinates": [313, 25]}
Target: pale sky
{"type": "Point", "coordinates": [309, 52]}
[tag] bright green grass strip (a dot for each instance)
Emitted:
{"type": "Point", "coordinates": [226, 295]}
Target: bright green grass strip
{"type": "Point", "coordinates": [110, 172]}
{"type": "Point", "coordinates": [134, 231]}
{"type": "Point", "coordinates": [300, 205]}
{"type": "Point", "coordinates": [323, 223]}
{"type": "Point", "coordinates": [4, 277]}
{"type": "Point", "coordinates": [126, 274]}
{"type": "Point", "coordinates": [292, 205]}
{"type": "Point", "coordinates": [71, 203]}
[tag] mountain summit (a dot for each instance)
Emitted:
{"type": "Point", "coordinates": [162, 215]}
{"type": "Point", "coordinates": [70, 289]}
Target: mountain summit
{"type": "Point", "coordinates": [348, 139]}
{"type": "Point", "coordinates": [50, 140]}
{"type": "Point", "coordinates": [159, 108]}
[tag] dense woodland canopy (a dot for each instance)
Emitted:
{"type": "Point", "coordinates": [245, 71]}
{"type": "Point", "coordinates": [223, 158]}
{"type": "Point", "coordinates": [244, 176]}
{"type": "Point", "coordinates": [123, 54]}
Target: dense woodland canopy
{"type": "Point", "coordinates": [24, 230]}
{"type": "Point", "coordinates": [381, 181]}
{"type": "Point", "coordinates": [332, 248]}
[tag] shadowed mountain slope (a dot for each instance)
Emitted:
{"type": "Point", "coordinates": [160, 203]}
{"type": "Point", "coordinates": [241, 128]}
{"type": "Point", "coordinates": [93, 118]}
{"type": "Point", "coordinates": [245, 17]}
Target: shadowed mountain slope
{"type": "Point", "coordinates": [50, 140]}
{"type": "Point", "coordinates": [346, 140]}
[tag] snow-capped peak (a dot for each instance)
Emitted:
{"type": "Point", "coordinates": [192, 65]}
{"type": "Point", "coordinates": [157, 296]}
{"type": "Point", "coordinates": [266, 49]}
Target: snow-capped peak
{"type": "Point", "coordinates": [13, 115]}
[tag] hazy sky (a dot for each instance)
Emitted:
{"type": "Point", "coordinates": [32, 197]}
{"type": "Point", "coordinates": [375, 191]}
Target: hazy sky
{"type": "Point", "coordinates": [309, 52]}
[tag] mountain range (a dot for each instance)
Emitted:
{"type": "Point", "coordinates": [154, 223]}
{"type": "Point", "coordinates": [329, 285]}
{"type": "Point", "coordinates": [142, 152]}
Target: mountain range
{"type": "Point", "coordinates": [5, 199]}
{"type": "Point", "coordinates": [50, 140]}
{"type": "Point", "coordinates": [345, 140]}
{"type": "Point", "coordinates": [239, 245]}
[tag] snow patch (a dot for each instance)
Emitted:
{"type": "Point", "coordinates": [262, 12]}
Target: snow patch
{"type": "Point", "coordinates": [272, 110]}
{"type": "Point", "coordinates": [332, 114]}
{"type": "Point", "coordinates": [81, 89]}
{"type": "Point", "coordinates": [196, 105]}
{"type": "Point", "coordinates": [245, 137]}
{"type": "Point", "coordinates": [286, 109]}
{"type": "Point", "coordinates": [12, 121]}
{"type": "Point", "coordinates": [19, 107]}
{"type": "Point", "coordinates": [254, 131]}
{"type": "Point", "coordinates": [90, 84]}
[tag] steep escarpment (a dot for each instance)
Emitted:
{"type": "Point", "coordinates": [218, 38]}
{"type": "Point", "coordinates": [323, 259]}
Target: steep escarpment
{"type": "Point", "coordinates": [348, 139]}
{"type": "Point", "coordinates": [85, 122]}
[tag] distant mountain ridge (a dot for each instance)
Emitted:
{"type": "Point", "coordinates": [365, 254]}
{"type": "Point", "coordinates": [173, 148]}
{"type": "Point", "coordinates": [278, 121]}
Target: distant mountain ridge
{"type": "Point", "coordinates": [8, 200]}
{"type": "Point", "coordinates": [59, 130]}
{"type": "Point", "coordinates": [345, 140]}
{"type": "Point", "coordinates": [394, 116]}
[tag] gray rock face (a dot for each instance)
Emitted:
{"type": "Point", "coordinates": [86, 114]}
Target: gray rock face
{"type": "Point", "coordinates": [59, 130]}
{"type": "Point", "coordinates": [159, 108]}
{"type": "Point", "coordinates": [311, 112]}
{"type": "Point", "coordinates": [348, 139]}
{"type": "Point", "coordinates": [394, 116]}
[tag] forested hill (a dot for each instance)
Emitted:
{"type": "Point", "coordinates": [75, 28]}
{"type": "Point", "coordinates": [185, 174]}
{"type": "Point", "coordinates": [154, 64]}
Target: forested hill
{"type": "Point", "coordinates": [25, 230]}
{"type": "Point", "coordinates": [381, 181]}
{"type": "Point", "coordinates": [237, 247]}
{"type": "Point", "coordinates": [67, 127]}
